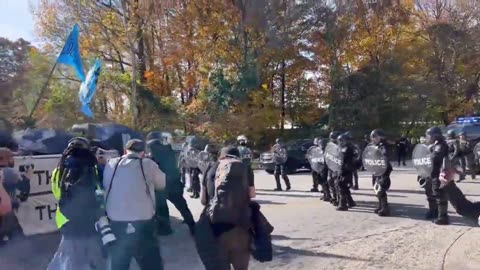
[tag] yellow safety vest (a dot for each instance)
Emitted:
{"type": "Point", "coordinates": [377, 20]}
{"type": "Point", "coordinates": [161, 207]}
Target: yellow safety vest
{"type": "Point", "coordinates": [60, 218]}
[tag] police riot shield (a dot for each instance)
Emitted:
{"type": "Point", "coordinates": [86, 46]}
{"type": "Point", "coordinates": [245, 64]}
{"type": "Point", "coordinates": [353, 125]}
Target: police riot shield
{"type": "Point", "coordinates": [280, 155]}
{"type": "Point", "coordinates": [476, 151]}
{"type": "Point", "coordinates": [316, 158]}
{"type": "Point", "coordinates": [245, 155]}
{"type": "Point", "coordinates": [422, 160]}
{"type": "Point", "coordinates": [333, 157]}
{"type": "Point", "coordinates": [374, 160]}
{"type": "Point", "coordinates": [203, 161]}
{"type": "Point", "coordinates": [191, 158]}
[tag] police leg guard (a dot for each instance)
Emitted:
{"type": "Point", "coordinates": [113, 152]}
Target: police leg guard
{"type": "Point", "coordinates": [277, 182]}
{"type": "Point", "coordinates": [342, 196]}
{"type": "Point", "coordinates": [379, 207]}
{"type": "Point", "coordinates": [350, 202]}
{"type": "Point", "coordinates": [442, 218]}
{"type": "Point", "coordinates": [326, 193]}
{"type": "Point", "coordinates": [432, 210]}
{"type": "Point", "coordinates": [287, 181]}
{"type": "Point", "coordinates": [342, 204]}
{"type": "Point", "coordinates": [385, 208]}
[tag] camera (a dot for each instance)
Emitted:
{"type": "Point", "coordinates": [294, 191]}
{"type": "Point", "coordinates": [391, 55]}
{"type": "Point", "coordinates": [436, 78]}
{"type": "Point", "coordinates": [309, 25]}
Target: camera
{"type": "Point", "coordinates": [103, 227]}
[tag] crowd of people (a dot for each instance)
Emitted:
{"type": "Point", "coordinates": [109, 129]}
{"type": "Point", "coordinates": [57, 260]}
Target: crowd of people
{"type": "Point", "coordinates": [111, 211]}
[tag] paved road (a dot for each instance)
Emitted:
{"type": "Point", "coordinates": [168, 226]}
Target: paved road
{"type": "Point", "coordinates": [310, 234]}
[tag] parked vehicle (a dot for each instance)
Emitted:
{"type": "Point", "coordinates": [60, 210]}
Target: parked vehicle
{"type": "Point", "coordinates": [296, 151]}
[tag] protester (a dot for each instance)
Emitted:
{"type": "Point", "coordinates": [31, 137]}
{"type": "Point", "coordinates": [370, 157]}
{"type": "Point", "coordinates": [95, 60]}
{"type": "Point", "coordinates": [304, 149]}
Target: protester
{"type": "Point", "coordinates": [162, 153]}
{"type": "Point", "coordinates": [12, 181]}
{"type": "Point", "coordinates": [462, 205]}
{"type": "Point", "coordinates": [130, 182]}
{"type": "Point", "coordinates": [74, 185]}
{"type": "Point", "coordinates": [226, 197]}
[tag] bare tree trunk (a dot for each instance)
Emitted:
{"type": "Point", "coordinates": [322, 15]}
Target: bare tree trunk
{"type": "Point", "coordinates": [283, 75]}
{"type": "Point", "coordinates": [133, 101]}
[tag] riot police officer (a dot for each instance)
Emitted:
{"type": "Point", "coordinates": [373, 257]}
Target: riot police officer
{"type": "Point", "coordinates": [315, 175]}
{"type": "Point", "coordinates": [280, 157]}
{"type": "Point", "coordinates": [467, 158]}
{"type": "Point", "coordinates": [332, 176]}
{"type": "Point", "coordinates": [437, 198]}
{"type": "Point", "coordinates": [381, 184]}
{"type": "Point", "coordinates": [323, 175]}
{"type": "Point", "coordinates": [454, 150]}
{"type": "Point", "coordinates": [345, 178]}
{"type": "Point", "coordinates": [246, 157]}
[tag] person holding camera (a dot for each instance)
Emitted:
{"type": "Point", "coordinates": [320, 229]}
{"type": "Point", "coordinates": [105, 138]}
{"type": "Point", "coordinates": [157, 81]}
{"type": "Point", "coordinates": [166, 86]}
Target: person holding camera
{"type": "Point", "coordinates": [75, 185]}
{"type": "Point", "coordinates": [16, 188]}
{"type": "Point", "coordinates": [130, 183]}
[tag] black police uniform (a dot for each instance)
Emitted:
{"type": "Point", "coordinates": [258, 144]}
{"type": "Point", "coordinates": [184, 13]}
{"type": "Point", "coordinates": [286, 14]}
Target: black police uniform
{"type": "Point", "coordinates": [280, 169]}
{"type": "Point", "coordinates": [383, 183]}
{"type": "Point", "coordinates": [467, 159]}
{"type": "Point", "coordinates": [342, 182]}
{"type": "Point", "coordinates": [332, 176]}
{"type": "Point", "coordinates": [437, 197]}
{"type": "Point", "coordinates": [323, 175]}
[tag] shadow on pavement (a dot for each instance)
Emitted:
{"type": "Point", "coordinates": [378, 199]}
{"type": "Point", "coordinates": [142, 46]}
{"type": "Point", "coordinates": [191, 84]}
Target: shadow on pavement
{"type": "Point", "coordinates": [289, 194]}
{"type": "Point", "coordinates": [283, 237]}
{"type": "Point", "coordinates": [269, 202]}
{"type": "Point", "coordinates": [410, 211]}
{"type": "Point", "coordinates": [372, 194]}
{"type": "Point", "coordinates": [405, 191]}
{"type": "Point", "coordinates": [286, 252]}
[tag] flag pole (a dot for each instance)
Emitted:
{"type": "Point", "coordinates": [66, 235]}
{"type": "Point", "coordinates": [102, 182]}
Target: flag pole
{"type": "Point", "coordinates": [42, 91]}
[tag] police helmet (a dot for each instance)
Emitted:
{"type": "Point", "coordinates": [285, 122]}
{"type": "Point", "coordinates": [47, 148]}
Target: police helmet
{"type": "Point", "coordinates": [316, 141]}
{"type": "Point", "coordinates": [348, 134]}
{"type": "Point", "coordinates": [278, 141]}
{"type": "Point", "coordinates": [334, 135]}
{"type": "Point", "coordinates": [451, 134]}
{"type": "Point", "coordinates": [343, 139]}
{"type": "Point", "coordinates": [434, 133]}
{"type": "Point", "coordinates": [211, 149]}
{"type": "Point", "coordinates": [462, 133]}
{"type": "Point", "coordinates": [377, 133]}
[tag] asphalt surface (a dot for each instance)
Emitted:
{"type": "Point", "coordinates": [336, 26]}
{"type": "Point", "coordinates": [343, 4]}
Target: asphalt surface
{"type": "Point", "coordinates": [310, 234]}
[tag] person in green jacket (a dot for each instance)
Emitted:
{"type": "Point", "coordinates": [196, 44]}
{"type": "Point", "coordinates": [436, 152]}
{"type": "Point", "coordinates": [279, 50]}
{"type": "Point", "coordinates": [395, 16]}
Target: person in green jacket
{"type": "Point", "coordinates": [163, 154]}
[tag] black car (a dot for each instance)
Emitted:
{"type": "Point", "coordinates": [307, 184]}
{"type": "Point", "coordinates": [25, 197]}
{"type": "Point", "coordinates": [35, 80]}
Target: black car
{"type": "Point", "coordinates": [296, 151]}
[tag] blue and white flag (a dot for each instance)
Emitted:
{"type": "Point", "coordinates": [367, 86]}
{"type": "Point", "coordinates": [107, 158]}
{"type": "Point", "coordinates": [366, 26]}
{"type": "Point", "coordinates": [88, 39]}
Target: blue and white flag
{"type": "Point", "coordinates": [70, 54]}
{"type": "Point", "coordinates": [89, 86]}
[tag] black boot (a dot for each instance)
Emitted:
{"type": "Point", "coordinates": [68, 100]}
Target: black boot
{"type": "Point", "coordinates": [314, 190]}
{"type": "Point", "coordinates": [442, 218]}
{"type": "Point", "coordinates": [326, 195]}
{"type": "Point", "coordinates": [350, 202]}
{"type": "Point", "coordinates": [431, 214]}
{"type": "Point", "coordinates": [385, 211]}
{"type": "Point", "coordinates": [287, 182]}
{"type": "Point", "coordinates": [379, 207]}
{"type": "Point", "coordinates": [342, 206]}
{"type": "Point", "coordinates": [195, 195]}
{"type": "Point", "coordinates": [277, 181]}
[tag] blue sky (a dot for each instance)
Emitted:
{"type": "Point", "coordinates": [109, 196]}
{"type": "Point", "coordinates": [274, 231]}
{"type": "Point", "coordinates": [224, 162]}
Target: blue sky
{"type": "Point", "coordinates": [16, 19]}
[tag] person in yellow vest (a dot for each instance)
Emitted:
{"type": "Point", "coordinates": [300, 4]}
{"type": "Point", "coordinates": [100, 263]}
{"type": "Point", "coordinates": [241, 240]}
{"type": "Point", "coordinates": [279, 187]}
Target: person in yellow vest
{"type": "Point", "coordinates": [75, 185]}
